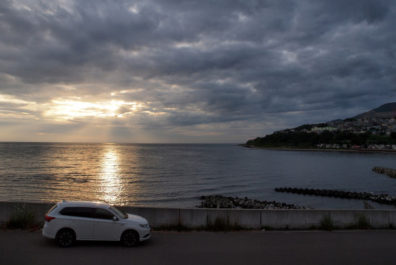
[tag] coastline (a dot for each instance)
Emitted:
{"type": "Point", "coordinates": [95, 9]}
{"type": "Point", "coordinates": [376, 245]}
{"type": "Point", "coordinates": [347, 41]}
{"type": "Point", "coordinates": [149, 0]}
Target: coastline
{"type": "Point", "coordinates": [320, 150]}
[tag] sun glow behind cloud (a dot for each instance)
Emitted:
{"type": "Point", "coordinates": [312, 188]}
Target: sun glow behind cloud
{"type": "Point", "coordinates": [70, 109]}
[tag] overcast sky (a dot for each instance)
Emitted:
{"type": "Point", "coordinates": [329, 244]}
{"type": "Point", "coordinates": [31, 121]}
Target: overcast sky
{"type": "Point", "coordinates": [189, 71]}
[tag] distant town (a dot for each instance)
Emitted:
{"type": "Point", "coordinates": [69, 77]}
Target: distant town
{"type": "Point", "coordinates": [373, 130]}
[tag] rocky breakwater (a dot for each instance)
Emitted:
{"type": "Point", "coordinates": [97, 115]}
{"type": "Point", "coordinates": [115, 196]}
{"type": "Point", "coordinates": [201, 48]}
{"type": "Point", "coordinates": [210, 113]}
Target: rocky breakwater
{"type": "Point", "coordinates": [386, 171]}
{"type": "Point", "coordinates": [219, 201]}
{"type": "Point", "coordinates": [379, 198]}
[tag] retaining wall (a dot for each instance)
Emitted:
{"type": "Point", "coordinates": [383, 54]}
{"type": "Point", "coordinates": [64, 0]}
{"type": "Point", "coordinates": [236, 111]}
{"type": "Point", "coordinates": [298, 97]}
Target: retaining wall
{"type": "Point", "coordinates": [242, 218]}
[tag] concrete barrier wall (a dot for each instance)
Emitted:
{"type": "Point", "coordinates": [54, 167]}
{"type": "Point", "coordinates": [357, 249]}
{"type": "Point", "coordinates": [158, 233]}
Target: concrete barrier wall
{"type": "Point", "coordinates": [237, 218]}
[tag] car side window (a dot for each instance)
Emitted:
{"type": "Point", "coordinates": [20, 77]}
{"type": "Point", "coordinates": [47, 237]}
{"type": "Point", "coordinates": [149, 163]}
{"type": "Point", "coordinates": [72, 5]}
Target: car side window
{"type": "Point", "coordinates": [78, 211]}
{"type": "Point", "coordinates": [103, 214]}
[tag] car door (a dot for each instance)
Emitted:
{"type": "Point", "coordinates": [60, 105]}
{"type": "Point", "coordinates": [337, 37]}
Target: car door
{"type": "Point", "coordinates": [80, 220]}
{"type": "Point", "coordinates": [105, 227]}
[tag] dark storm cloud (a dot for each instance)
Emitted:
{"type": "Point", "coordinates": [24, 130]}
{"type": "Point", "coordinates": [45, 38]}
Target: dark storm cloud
{"type": "Point", "coordinates": [206, 62]}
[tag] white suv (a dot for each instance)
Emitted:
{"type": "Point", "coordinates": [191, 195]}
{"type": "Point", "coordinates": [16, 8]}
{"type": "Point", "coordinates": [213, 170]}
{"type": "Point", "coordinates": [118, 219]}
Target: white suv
{"type": "Point", "coordinates": [69, 221]}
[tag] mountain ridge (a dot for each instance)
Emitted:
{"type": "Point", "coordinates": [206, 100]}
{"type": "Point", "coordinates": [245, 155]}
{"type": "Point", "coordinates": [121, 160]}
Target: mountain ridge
{"type": "Point", "coordinates": [387, 110]}
{"type": "Point", "coordinates": [374, 129]}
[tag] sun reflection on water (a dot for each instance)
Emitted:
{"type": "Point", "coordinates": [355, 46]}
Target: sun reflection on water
{"type": "Point", "coordinates": [111, 187]}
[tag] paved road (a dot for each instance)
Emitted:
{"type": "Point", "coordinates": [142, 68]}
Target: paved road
{"type": "Point", "coordinates": [344, 247]}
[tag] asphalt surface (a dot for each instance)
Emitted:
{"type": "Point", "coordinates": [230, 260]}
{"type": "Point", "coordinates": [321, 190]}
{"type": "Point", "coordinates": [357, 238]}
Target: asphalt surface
{"type": "Point", "coordinates": [256, 247]}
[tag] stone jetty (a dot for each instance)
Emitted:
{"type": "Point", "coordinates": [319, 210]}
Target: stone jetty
{"type": "Point", "coordinates": [219, 201]}
{"type": "Point", "coordinates": [386, 171]}
{"type": "Point", "coordinates": [368, 196]}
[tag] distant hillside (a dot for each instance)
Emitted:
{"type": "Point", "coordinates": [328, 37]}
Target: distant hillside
{"type": "Point", "coordinates": [385, 111]}
{"type": "Point", "coordinates": [372, 130]}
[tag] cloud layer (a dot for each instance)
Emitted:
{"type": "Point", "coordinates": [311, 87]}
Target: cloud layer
{"type": "Point", "coordinates": [189, 71]}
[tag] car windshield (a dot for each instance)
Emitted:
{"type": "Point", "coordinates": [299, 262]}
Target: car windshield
{"type": "Point", "coordinates": [119, 212]}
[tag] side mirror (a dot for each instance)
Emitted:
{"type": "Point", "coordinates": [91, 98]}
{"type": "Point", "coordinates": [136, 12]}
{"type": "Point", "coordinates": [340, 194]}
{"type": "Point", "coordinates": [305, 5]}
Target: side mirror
{"type": "Point", "coordinates": [115, 218]}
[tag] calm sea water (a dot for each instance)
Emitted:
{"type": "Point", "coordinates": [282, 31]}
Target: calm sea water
{"type": "Point", "coordinates": [176, 175]}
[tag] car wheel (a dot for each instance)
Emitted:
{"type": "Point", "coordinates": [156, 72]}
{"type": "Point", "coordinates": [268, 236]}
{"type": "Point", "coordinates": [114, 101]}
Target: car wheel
{"type": "Point", "coordinates": [130, 238]}
{"type": "Point", "coordinates": [65, 238]}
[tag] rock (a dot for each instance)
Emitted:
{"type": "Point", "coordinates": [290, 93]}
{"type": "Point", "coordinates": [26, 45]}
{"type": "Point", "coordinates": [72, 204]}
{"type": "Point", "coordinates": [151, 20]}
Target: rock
{"type": "Point", "coordinates": [379, 198]}
{"type": "Point", "coordinates": [218, 201]}
{"type": "Point", "coordinates": [386, 171]}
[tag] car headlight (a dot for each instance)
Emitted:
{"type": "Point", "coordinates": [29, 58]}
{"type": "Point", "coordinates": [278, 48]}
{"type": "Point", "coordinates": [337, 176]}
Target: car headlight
{"type": "Point", "coordinates": [144, 225]}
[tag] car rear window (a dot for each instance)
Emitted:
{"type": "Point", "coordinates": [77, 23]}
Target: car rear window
{"type": "Point", "coordinates": [78, 211]}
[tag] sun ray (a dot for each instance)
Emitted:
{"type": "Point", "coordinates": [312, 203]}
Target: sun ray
{"type": "Point", "coordinates": [68, 109]}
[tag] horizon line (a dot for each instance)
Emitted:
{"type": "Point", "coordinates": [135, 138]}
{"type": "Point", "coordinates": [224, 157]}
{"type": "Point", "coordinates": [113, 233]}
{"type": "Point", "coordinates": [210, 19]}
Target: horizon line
{"type": "Point", "coordinates": [147, 143]}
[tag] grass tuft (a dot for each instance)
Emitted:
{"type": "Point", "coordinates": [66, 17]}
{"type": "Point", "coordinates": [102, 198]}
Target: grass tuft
{"type": "Point", "coordinates": [223, 225]}
{"type": "Point", "coordinates": [363, 222]}
{"type": "Point", "coordinates": [21, 218]}
{"type": "Point", "coordinates": [178, 227]}
{"type": "Point", "coordinates": [326, 223]}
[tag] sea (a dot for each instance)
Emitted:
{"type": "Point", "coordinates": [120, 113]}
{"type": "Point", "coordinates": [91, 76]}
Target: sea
{"type": "Point", "coordinates": [176, 175]}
